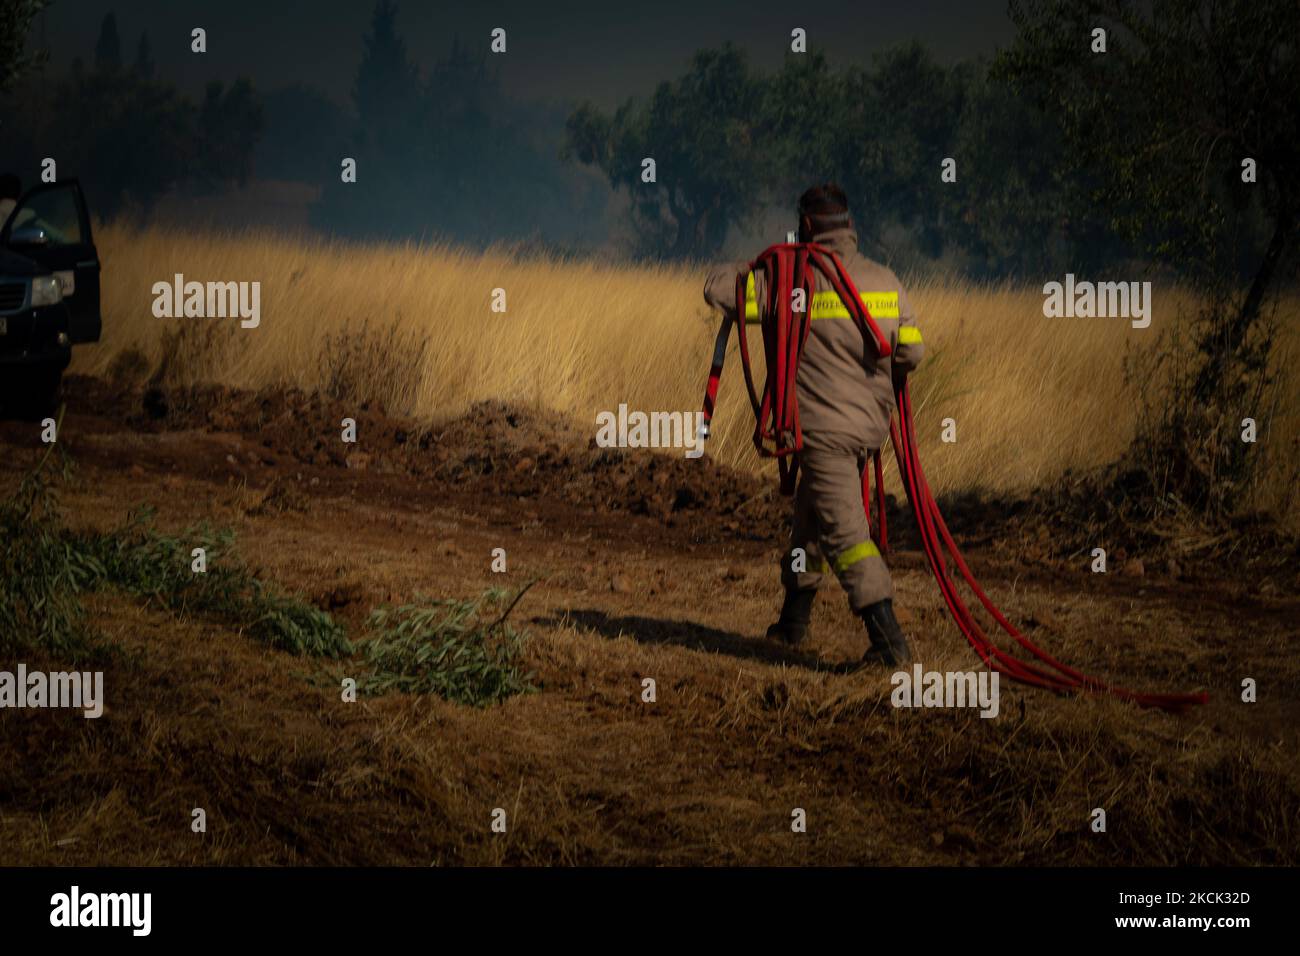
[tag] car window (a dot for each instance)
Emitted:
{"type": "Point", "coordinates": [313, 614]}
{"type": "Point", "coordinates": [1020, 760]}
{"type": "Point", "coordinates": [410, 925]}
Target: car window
{"type": "Point", "coordinates": [55, 211]}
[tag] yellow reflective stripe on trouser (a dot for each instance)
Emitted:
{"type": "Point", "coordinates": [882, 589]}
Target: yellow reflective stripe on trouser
{"type": "Point", "coordinates": [828, 305]}
{"type": "Point", "coordinates": [909, 335]}
{"type": "Point", "coordinates": [846, 559]}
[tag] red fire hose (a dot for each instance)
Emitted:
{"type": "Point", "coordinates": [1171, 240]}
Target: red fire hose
{"type": "Point", "coordinates": [790, 267]}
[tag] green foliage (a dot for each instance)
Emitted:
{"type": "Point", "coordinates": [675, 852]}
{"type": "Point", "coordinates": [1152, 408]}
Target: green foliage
{"type": "Point", "coordinates": [387, 83]}
{"type": "Point", "coordinates": [42, 573]}
{"type": "Point", "coordinates": [1163, 118]}
{"type": "Point", "coordinates": [130, 140]}
{"type": "Point", "coordinates": [144, 65]}
{"type": "Point", "coordinates": [305, 135]}
{"type": "Point", "coordinates": [1007, 213]}
{"type": "Point", "coordinates": [1188, 460]}
{"type": "Point", "coordinates": [143, 561]}
{"type": "Point", "coordinates": [426, 647]}
{"type": "Point", "coordinates": [16, 18]}
{"type": "Point", "coordinates": [1156, 128]}
{"type": "Point", "coordinates": [703, 131]}
{"type": "Point", "coordinates": [108, 48]}
{"type": "Point", "coordinates": [804, 108]}
{"type": "Point", "coordinates": [449, 154]}
{"type": "Point", "coordinates": [1066, 158]}
{"type": "Point", "coordinates": [729, 143]}
{"type": "Point", "coordinates": [445, 648]}
{"type": "Point", "coordinates": [128, 137]}
{"type": "Point", "coordinates": [914, 106]}
{"type": "Point", "coordinates": [228, 128]}
{"type": "Point", "coordinates": [45, 569]}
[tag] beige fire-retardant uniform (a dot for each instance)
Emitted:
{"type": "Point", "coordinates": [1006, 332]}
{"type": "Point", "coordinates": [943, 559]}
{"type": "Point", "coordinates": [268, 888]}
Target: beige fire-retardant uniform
{"type": "Point", "coordinates": [846, 398]}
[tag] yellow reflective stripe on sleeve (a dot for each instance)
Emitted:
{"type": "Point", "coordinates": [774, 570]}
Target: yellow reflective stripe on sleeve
{"type": "Point", "coordinates": [846, 559]}
{"type": "Point", "coordinates": [909, 335]}
{"type": "Point", "coordinates": [827, 305]}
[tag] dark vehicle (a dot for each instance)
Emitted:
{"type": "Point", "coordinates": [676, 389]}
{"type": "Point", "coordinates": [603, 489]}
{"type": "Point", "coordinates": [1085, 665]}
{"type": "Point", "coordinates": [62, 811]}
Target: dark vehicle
{"type": "Point", "coordinates": [49, 293]}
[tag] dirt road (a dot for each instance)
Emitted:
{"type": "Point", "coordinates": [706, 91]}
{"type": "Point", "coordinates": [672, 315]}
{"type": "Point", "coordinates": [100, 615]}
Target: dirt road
{"type": "Point", "coordinates": [650, 567]}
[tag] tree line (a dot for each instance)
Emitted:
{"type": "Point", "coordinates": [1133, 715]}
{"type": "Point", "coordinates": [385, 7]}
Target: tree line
{"type": "Point", "coordinates": [979, 163]}
{"type": "Point", "coordinates": [1049, 157]}
{"type": "Point", "coordinates": [130, 136]}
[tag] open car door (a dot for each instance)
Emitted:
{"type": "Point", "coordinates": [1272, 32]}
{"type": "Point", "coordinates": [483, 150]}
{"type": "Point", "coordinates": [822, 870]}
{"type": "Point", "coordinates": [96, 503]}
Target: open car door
{"type": "Point", "coordinates": [51, 226]}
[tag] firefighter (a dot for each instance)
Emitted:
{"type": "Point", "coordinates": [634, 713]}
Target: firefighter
{"type": "Point", "coordinates": [845, 394]}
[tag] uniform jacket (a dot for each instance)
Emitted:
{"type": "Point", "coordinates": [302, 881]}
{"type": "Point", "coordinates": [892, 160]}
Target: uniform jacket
{"type": "Point", "coordinates": [845, 390]}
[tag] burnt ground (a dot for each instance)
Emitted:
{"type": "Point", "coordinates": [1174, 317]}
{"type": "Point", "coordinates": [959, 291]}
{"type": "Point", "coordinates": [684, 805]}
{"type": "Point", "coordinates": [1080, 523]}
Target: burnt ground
{"type": "Point", "coordinates": [649, 566]}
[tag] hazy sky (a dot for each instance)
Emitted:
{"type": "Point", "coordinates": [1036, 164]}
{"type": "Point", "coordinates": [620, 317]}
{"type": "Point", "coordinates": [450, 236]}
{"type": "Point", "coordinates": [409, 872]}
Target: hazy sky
{"type": "Point", "coordinates": [604, 51]}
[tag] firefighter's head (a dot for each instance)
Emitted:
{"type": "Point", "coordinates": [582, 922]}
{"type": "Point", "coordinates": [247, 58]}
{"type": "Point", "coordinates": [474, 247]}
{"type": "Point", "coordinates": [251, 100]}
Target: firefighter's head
{"type": "Point", "coordinates": [821, 209]}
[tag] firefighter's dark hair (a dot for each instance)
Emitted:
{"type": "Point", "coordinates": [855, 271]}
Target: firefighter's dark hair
{"type": "Point", "coordinates": [821, 209]}
{"type": "Point", "coordinates": [828, 199]}
{"type": "Point", "coordinates": [10, 186]}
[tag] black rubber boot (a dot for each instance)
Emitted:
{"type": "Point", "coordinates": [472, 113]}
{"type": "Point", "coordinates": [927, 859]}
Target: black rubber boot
{"type": "Point", "coordinates": [888, 642]}
{"type": "Point", "coordinates": [792, 626]}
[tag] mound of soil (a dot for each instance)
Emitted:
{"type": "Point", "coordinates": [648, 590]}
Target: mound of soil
{"type": "Point", "coordinates": [501, 449]}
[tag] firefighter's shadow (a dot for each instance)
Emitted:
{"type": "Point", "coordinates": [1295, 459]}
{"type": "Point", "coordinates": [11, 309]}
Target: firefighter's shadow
{"type": "Point", "coordinates": [653, 630]}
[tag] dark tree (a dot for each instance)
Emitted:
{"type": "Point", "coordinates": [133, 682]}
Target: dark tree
{"type": "Point", "coordinates": [915, 105]}
{"type": "Point", "coordinates": [144, 63]}
{"type": "Point", "coordinates": [454, 158]}
{"type": "Point", "coordinates": [15, 20]}
{"type": "Point", "coordinates": [805, 111]}
{"type": "Point", "coordinates": [1165, 125]}
{"type": "Point", "coordinates": [1008, 212]}
{"type": "Point", "coordinates": [702, 131]}
{"type": "Point", "coordinates": [229, 124]}
{"type": "Point", "coordinates": [1187, 91]}
{"type": "Point", "coordinates": [306, 133]}
{"type": "Point", "coordinates": [108, 48]}
{"type": "Point", "coordinates": [387, 83]}
{"type": "Point", "coordinates": [129, 141]}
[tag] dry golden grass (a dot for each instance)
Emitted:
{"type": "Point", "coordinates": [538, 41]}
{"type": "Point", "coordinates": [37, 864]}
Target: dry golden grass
{"type": "Point", "coordinates": [590, 774]}
{"type": "Point", "coordinates": [412, 327]}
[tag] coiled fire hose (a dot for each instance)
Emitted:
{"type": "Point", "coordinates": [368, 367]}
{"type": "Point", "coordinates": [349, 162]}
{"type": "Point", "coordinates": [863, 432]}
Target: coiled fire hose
{"type": "Point", "coordinates": [788, 267]}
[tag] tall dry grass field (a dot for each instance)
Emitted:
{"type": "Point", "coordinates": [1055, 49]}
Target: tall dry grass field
{"type": "Point", "coordinates": [412, 327]}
